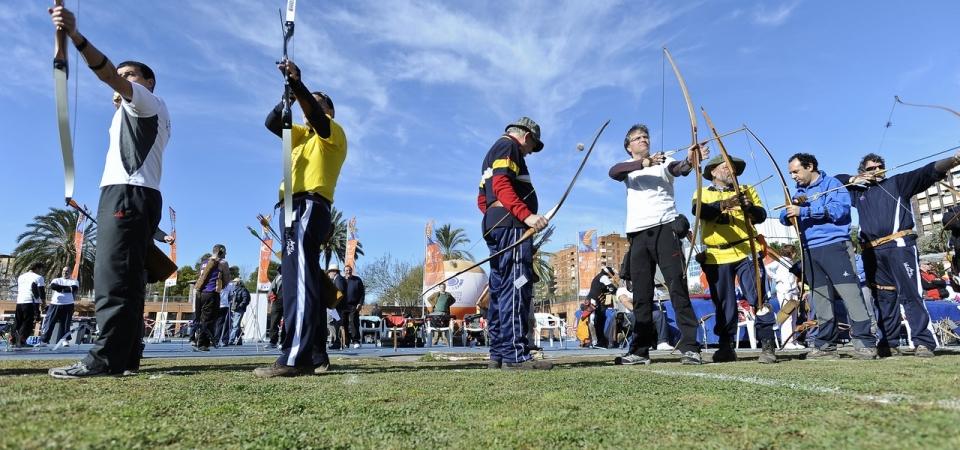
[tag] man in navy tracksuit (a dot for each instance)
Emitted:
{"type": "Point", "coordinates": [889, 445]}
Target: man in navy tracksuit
{"type": "Point", "coordinates": [890, 246]}
{"type": "Point", "coordinates": [822, 208]}
{"type": "Point", "coordinates": [509, 205]}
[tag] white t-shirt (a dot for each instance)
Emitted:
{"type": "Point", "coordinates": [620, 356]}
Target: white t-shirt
{"type": "Point", "coordinates": [66, 297]}
{"type": "Point", "coordinates": [25, 285]}
{"type": "Point", "coordinates": [785, 283]}
{"type": "Point", "coordinates": [650, 197]}
{"type": "Point", "coordinates": [138, 135]}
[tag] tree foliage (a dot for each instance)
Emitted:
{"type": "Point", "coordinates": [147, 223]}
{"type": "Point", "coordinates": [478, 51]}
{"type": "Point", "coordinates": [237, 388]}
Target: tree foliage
{"type": "Point", "coordinates": [450, 240]}
{"type": "Point", "coordinates": [393, 282]}
{"type": "Point", "coordinates": [933, 241]}
{"type": "Point", "coordinates": [49, 239]}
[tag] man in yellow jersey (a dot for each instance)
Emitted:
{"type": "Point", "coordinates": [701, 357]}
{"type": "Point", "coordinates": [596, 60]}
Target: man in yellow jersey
{"type": "Point", "coordinates": [728, 257]}
{"type": "Point", "coordinates": [319, 149]}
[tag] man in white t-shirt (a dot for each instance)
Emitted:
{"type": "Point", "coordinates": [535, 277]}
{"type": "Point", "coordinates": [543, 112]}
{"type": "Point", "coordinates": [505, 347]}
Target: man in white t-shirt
{"type": "Point", "coordinates": [60, 311]}
{"type": "Point", "coordinates": [129, 208]}
{"type": "Point", "coordinates": [655, 230]}
{"type": "Point", "coordinates": [30, 294]}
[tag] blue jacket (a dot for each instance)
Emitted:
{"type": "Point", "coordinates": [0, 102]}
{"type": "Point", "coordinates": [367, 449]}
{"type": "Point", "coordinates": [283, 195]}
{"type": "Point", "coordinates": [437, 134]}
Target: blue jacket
{"type": "Point", "coordinates": [826, 220]}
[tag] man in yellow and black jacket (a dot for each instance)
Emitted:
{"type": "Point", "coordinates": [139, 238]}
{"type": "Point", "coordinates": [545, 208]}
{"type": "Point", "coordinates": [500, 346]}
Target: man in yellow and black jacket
{"type": "Point", "coordinates": [727, 257]}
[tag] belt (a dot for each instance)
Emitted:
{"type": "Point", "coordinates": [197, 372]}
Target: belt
{"type": "Point", "coordinates": [729, 244]}
{"type": "Point", "coordinates": [881, 287]}
{"type": "Point", "coordinates": [880, 241]}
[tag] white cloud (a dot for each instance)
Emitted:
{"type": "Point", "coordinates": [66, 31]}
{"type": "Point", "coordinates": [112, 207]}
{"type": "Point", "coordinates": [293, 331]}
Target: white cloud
{"type": "Point", "coordinates": [774, 16]}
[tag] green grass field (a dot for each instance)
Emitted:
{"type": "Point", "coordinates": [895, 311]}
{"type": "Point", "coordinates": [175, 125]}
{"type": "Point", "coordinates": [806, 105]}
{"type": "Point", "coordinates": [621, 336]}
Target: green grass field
{"type": "Point", "coordinates": [383, 402]}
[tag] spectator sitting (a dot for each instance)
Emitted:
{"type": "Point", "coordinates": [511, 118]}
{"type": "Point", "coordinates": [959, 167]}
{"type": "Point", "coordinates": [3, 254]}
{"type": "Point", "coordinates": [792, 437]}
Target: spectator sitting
{"type": "Point", "coordinates": [934, 287]}
{"type": "Point", "coordinates": [440, 312]}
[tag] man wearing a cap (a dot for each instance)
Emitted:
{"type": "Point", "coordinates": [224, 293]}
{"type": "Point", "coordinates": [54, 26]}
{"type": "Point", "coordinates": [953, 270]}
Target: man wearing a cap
{"type": "Point", "coordinates": [509, 206]}
{"type": "Point", "coordinates": [728, 258]}
{"type": "Point", "coordinates": [337, 316]}
{"type": "Point", "coordinates": [601, 286]}
{"type": "Point", "coordinates": [319, 150]}
{"type": "Point", "coordinates": [655, 229]}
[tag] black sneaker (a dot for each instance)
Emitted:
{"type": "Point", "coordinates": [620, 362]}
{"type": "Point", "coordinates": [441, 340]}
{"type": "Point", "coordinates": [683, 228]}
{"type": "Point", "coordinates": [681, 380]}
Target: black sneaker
{"type": "Point", "coordinates": [530, 364]}
{"type": "Point", "coordinates": [77, 370]}
{"type": "Point", "coordinates": [725, 353]}
{"type": "Point", "coordinates": [865, 353]}
{"type": "Point", "coordinates": [198, 348]}
{"type": "Point", "coordinates": [494, 364]}
{"type": "Point", "coordinates": [630, 359]}
{"type": "Point", "coordinates": [768, 352]}
{"type": "Point", "coordinates": [691, 358]}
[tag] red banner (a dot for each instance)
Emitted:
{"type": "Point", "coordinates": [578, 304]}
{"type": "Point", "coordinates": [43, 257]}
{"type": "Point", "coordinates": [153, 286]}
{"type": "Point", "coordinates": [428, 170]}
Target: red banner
{"type": "Point", "coordinates": [266, 251]}
{"type": "Point", "coordinates": [78, 247]}
{"type": "Point", "coordinates": [433, 260]}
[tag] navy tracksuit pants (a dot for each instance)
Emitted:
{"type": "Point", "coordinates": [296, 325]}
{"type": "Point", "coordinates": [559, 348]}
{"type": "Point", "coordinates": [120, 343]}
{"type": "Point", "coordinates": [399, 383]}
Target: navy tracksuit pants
{"type": "Point", "coordinates": [832, 266]}
{"type": "Point", "coordinates": [511, 294]}
{"type": "Point", "coordinates": [723, 291]}
{"type": "Point", "coordinates": [58, 323]}
{"type": "Point", "coordinates": [898, 267]}
{"type": "Point", "coordinates": [304, 310]}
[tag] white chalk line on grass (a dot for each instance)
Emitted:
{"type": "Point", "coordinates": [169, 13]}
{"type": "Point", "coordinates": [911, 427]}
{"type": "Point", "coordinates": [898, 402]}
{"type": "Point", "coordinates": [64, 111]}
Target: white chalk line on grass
{"type": "Point", "coordinates": [883, 399]}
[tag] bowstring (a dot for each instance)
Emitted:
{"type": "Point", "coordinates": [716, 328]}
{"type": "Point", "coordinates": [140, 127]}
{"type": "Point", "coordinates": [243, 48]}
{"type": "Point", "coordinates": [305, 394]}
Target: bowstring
{"type": "Point", "coordinates": [887, 126]}
{"type": "Point", "coordinates": [663, 98]}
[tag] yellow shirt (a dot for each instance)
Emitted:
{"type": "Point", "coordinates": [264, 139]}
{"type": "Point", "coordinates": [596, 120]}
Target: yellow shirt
{"type": "Point", "coordinates": [317, 161]}
{"type": "Point", "coordinates": [715, 234]}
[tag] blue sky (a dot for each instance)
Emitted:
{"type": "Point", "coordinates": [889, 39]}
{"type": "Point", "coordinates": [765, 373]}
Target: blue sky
{"type": "Point", "coordinates": [422, 90]}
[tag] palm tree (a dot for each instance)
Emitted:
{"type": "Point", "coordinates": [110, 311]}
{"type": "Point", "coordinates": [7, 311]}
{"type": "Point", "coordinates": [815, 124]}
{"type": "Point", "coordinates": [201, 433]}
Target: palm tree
{"type": "Point", "coordinates": [49, 239]}
{"type": "Point", "coordinates": [450, 239]}
{"type": "Point", "coordinates": [337, 244]}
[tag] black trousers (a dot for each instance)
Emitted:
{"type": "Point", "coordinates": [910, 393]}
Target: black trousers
{"type": "Point", "coordinates": [127, 217]}
{"type": "Point", "coordinates": [600, 323]}
{"type": "Point", "coordinates": [350, 318]}
{"type": "Point", "coordinates": [58, 323]}
{"type": "Point", "coordinates": [274, 332]}
{"type": "Point", "coordinates": [648, 249]}
{"type": "Point", "coordinates": [221, 332]}
{"type": "Point", "coordinates": [304, 308]}
{"type": "Point", "coordinates": [208, 306]}
{"type": "Point", "coordinates": [24, 320]}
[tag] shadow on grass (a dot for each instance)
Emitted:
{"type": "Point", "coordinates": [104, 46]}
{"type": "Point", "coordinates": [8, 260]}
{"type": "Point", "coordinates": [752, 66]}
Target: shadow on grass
{"type": "Point", "coordinates": [23, 371]}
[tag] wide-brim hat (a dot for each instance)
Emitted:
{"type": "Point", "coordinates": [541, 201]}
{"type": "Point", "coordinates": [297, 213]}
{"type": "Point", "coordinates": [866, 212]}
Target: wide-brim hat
{"type": "Point", "coordinates": [738, 165]}
{"type": "Point", "coordinates": [333, 267]}
{"type": "Point", "coordinates": [531, 127]}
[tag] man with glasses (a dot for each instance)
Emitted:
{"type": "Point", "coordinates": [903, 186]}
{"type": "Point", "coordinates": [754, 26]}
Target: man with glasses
{"type": "Point", "coordinates": [889, 243]}
{"type": "Point", "coordinates": [822, 208]}
{"type": "Point", "coordinates": [655, 230]}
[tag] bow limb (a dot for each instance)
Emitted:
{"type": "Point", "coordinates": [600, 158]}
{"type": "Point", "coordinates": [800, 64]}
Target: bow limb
{"type": "Point", "coordinates": [751, 231]}
{"type": "Point", "coordinates": [60, 74]}
{"type": "Point", "coordinates": [696, 157]}
{"type": "Point", "coordinates": [788, 200]}
{"type": "Point", "coordinates": [530, 231]}
{"type": "Point", "coordinates": [287, 132]}
{"type": "Point", "coordinates": [918, 105]}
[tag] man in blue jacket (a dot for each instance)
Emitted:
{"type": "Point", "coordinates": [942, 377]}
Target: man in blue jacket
{"type": "Point", "coordinates": [889, 243]}
{"type": "Point", "coordinates": [822, 208]}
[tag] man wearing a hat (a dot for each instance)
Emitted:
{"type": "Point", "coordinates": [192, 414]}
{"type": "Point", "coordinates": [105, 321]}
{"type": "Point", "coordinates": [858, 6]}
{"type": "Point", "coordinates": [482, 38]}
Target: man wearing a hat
{"type": "Point", "coordinates": [655, 230]}
{"type": "Point", "coordinates": [335, 317]}
{"type": "Point", "coordinates": [509, 206]}
{"type": "Point", "coordinates": [728, 258]}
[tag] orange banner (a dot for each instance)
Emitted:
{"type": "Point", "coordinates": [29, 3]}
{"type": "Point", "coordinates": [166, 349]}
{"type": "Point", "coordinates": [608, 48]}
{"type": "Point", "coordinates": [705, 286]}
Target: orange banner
{"type": "Point", "coordinates": [172, 281]}
{"type": "Point", "coordinates": [263, 275]}
{"type": "Point", "coordinates": [351, 256]}
{"type": "Point", "coordinates": [78, 247]}
{"type": "Point", "coordinates": [433, 260]}
{"type": "Point", "coordinates": [588, 259]}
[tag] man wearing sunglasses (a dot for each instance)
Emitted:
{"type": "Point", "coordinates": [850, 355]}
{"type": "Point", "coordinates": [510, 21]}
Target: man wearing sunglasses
{"type": "Point", "coordinates": [655, 230]}
{"type": "Point", "coordinates": [889, 242]}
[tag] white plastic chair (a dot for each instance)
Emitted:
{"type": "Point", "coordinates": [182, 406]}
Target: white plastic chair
{"type": "Point", "coordinates": [371, 325]}
{"type": "Point", "coordinates": [552, 324]}
{"type": "Point", "coordinates": [430, 329]}
{"type": "Point", "coordinates": [749, 321]}
{"type": "Point", "coordinates": [477, 327]}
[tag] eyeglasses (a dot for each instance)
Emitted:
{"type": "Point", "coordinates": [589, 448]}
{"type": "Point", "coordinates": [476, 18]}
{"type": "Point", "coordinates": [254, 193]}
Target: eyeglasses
{"type": "Point", "coordinates": [872, 168]}
{"type": "Point", "coordinates": [638, 138]}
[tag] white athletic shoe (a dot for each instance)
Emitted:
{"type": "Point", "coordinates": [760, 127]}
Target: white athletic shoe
{"type": "Point", "coordinates": [664, 346]}
{"type": "Point", "coordinates": [355, 345]}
